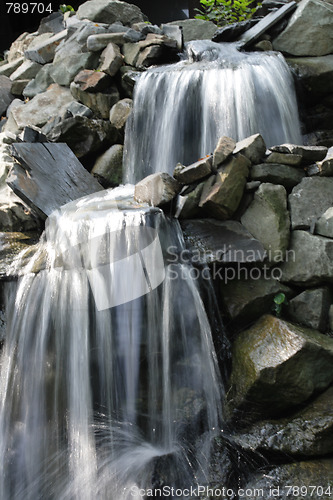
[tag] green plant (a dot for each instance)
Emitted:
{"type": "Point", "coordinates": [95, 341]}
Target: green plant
{"type": "Point", "coordinates": [65, 8]}
{"type": "Point", "coordinates": [279, 300]}
{"type": "Point", "coordinates": [223, 12]}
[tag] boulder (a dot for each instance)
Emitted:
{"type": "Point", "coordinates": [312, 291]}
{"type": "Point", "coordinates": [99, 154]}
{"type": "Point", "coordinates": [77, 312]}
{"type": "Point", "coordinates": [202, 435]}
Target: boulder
{"type": "Point", "coordinates": [11, 245]}
{"type": "Point", "coordinates": [131, 53]}
{"type": "Point", "coordinates": [101, 40]}
{"type": "Point", "coordinates": [309, 154]}
{"type": "Point", "coordinates": [212, 241]}
{"type": "Point", "coordinates": [195, 172]}
{"type": "Point", "coordinates": [99, 102]}
{"type": "Point", "coordinates": [65, 68]}
{"type": "Point", "coordinates": [275, 173]}
{"type": "Point", "coordinates": [310, 260]}
{"type": "Point", "coordinates": [9, 68]}
{"type": "Point", "coordinates": [19, 46]}
{"type": "Point", "coordinates": [108, 168]}
{"type": "Point", "coordinates": [252, 147]}
{"type": "Point", "coordinates": [284, 158]}
{"type": "Point", "coordinates": [6, 96]}
{"type": "Point", "coordinates": [323, 168]}
{"type": "Point", "coordinates": [54, 23]}
{"type": "Point", "coordinates": [278, 365]}
{"type": "Point", "coordinates": [43, 107]}
{"type": "Point", "coordinates": [267, 219]}
{"type": "Point", "coordinates": [223, 150]}
{"type": "Point", "coordinates": [324, 225]}
{"type": "Point", "coordinates": [40, 83]}
{"type": "Point", "coordinates": [110, 11]}
{"type": "Point", "coordinates": [93, 81]}
{"type": "Point", "coordinates": [309, 200]}
{"type": "Point", "coordinates": [156, 189]}
{"type": "Point", "coordinates": [18, 87]}
{"type": "Point", "coordinates": [26, 70]}
{"type": "Point", "coordinates": [196, 29]}
{"type": "Point", "coordinates": [188, 201]}
{"type": "Point", "coordinates": [309, 31]}
{"type": "Point", "coordinates": [14, 214]}
{"type": "Point", "coordinates": [119, 114]}
{"type": "Point", "coordinates": [44, 51]}
{"type": "Point", "coordinates": [175, 33]}
{"type": "Point", "coordinates": [231, 32]}
{"type": "Point", "coordinates": [310, 308]}
{"type": "Point", "coordinates": [222, 199]}
{"type": "Point", "coordinates": [314, 74]}
{"type": "Point", "coordinates": [251, 295]}
{"type": "Point", "coordinates": [111, 59]}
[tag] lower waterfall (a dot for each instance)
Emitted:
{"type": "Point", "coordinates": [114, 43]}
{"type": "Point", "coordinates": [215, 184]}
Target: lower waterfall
{"type": "Point", "coordinates": [182, 109]}
{"type": "Point", "coordinates": [109, 379]}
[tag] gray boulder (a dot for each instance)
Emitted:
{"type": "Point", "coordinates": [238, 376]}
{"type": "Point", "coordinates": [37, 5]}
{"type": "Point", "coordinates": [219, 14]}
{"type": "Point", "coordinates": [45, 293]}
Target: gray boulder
{"type": "Point", "coordinates": [309, 154]}
{"type": "Point", "coordinates": [40, 83]}
{"type": "Point", "coordinates": [44, 51]}
{"type": "Point", "coordinates": [277, 174]}
{"type": "Point", "coordinates": [309, 200]}
{"type": "Point", "coordinates": [65, 68]}
{"type": "Point", "coordinates": [99, 102]}
{"type": "Point", "coordinates": [284, 158]}
{"type": "Point", "coordinates": [225, 146]}
{"type": "Point", "coordinates": [309, 31]}
{"type": "Point", "coordinates": [6, 97]}
{"type": "Point", "coordinates": [119, 114]}
{"type": "Point", "coordinates": [111, 59]}
{"type": "Point", "coordinates": [108, 168]}
{"type": "Point", "coordinates": [26, 70]}
{"type": "Point", "coordinates": [310, 308]}
{"type": "Point", "coordinates": [196, 29]}
{"type": "Point", "coordinates": [9, 68]}
{"type": "Point", "coordinates": [278, 365]}
{"type": "Point", "coordinates": [156, 189]}
{"type": "Point", "coordinates": [110, 11]}
{"type": "Point", "coordinates": [195, 172]}
{"type": "Point", "coordinates": [267, 219]}
{"type": "Point", "coordinates": [252, 147]}
{"type": "Point", "coordinates": [324, 225]}
{"type": "Point", "coordinates": [315, 74]}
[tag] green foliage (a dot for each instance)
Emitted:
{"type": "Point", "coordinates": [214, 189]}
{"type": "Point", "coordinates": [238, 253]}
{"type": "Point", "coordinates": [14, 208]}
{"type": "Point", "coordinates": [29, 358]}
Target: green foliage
{"type": "Point", "coordinates": [279, 300]}
{"type": "Point", "coordinates": [223, 12]}
{"type": "Point", "coordinates": [65, 8]}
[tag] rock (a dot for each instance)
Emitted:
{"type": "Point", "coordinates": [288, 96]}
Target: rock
{"type": "Point", "coordinates": [54, 23]}
{"type": "Point", "coordinates": [14, 214]}
{"type": "Point", "coordinates": [110, 11]}
{"type": "Point", "coordinates": [231, 32]}
{"type": "Point", "coordinates": [324, 225]}
{"type": "Point", "coordinates": [32, 134]}
{"type": "Point", "coordinates": [195, 29]}
{"type": "Point", "coordinates": [101, 40]}
{"type": "Point", "coordinates": [42, 107]}
{"type": "Point", "coordinates": [309, 30]}
{"type": "Point", "coordinates": [195, 172]}
{"type": "Point", "coordinates": [119, 114]}
{"type": "Point", "coordinates": [133, 36]}
{"type": "Point", "coordinates": [310, 308]}
{"type": "Point", "coordinates": [325, 167]}
{"type": "Point", "coordinates": [175, 33]}
{"type": "Point", "coordinates": [223, 150]}
{"type": "Point", "coordinates": [78, 109]}
{"type": "Point", "coordinates": [44, 52]}
{"type": "Point", "coordinates": [99, 102]}
{"type": "Point", "coordinates": [9, 68]}
{"type": "Point", "coordinates": [251, 294]}
{"type": "Point", "coordinates": [309, 154]}
{"type": "Point", "coordinates": [156, 189]}
{"type": "Point", "coordinates": [263, 45]}
{"type": "Point", "coordinates": [64, 69]}
{"type": "Point", "coordinates": [267, 219]}
{"type": "Point", "coordinates": [283, 480]}
{"type": "Point", "coordinates": [131, 53]}
{"type": "Point", "coordinates": [93, 81]}
{"type": "Point", "coordinates": [6, 97]}
{"type": "Point", "coordinates": [26, 70]}
{"type": "Point", "coordinates": [108, 168]}
{"type": "Point", "coordinates": [83, 135]}
{"type": "Point", "coordinates": [223, 198]}
{"type": "Point", "coordinates": [315, 74]}
{"type": "Point", "coordinates": [312, 260]}
{"type": "Point", "coordinates": [18, 47]}
{"type": "Point", "coordinates": [40, 83]}
{"type": "Point", "coordinates": [188, 203]}
{"type": "Point", "coordinates": [252, 147]}
{"type": "Point", "coordinates": [284, 158]}
{"type": "Point", "coordinates": [309, 200]}
{"type": "Point", "coordinates": [277, 174]}
{"type": "Point", "coordinates": [212, 241]}
{"type": "Point", "coordinates": [11, 245]}
{"type": "Point", "coordinates": [111, 59]}
{"type": "Point", "coordinates": [18, 87]}
{"type": "Point", "coordinates": [278, 365]}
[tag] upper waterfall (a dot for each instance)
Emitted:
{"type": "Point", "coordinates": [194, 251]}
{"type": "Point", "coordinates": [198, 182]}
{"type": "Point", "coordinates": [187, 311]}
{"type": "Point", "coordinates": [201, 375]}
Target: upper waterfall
{"type": "Point", "coordinates": [181, 110]}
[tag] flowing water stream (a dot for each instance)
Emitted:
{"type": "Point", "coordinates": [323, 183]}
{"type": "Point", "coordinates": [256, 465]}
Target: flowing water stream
{"type": "Point", "coordinates": [109, 382]}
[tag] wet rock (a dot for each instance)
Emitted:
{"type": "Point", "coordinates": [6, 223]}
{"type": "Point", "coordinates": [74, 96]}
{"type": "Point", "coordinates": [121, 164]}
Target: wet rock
{"type": "Point", "coordinates": [223, 198]}
{"type": "Point", "coordinates": [275, 173]}
{"type": "Point", "coordinates": [6, 97]}
{"type": "Point", "coordinates": [231, 32]}
{"type": "Point", "coordinates": [26, 70]}
{"type": "Point", "coordinates": [309, 30]}
{"type": "Point", "coordinates": [110, 11]}
{"type": "Point", "coordinates": [267, 219]}
{"type": "Point", "coordinates": [44, 51]}
{"type": "Point", "coordinates": [249, 295]}
{"type": "Point", "coordinates": [42, 107]}
{"type": "Point", "coordinates": [278, 365]}
{"type": "Point", "coordinates": [310, 308]}
{"type": "Point", "coordinates": [108, 168]}
{"type": "Point", "coordinates": [324, 225]}
{"type": "Point", "coordinates": [312, 260]}
{"type": "Point", "coordinates": [195, 172]}
{"type": "Point", "coordinates": [309, 200]}
{"type": "Point", "coordinates": [223, 150]}
{"type": "Point", "coordinates": [309, 154]}
{"type": "Point", "coordinates": [156, 189]}
{"type": "Point", "coordinates": [119, 114]}
{"type": "Point", "coordinates": [213, 241]}
{"type": "Point", "coordinates": [195, 29]}
{"type": "Point", "coordinates": [111, 59]}
{"type": "Point", "coordinates": [40, 83]}
{"type": "Point", "coordinates": [252, 147]}
{"type": "Point", "coordinates": [284, 158]}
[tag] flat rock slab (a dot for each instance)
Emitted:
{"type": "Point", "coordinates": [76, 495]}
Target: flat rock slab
{"type": "Point", "coordinates": [49, 176]}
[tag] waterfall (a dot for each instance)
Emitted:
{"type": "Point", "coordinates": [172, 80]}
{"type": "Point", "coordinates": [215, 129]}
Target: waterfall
{"type": "Point", "coordinates": [181, 110]}
{"type": "Point", "coordinates": [109, 380]}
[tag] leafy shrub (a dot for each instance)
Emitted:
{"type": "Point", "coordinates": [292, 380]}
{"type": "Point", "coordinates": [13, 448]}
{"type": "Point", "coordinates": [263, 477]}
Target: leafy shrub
{"type": "Point", "coordinates": [223, 12]}
{"type": "Point", "coordinates": [65, 8]}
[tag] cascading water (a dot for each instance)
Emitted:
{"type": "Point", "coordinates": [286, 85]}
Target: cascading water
{"type": "Point", "coordinates": [181, 110]}
{"type": "Point", "coordinates": [108, 373]}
